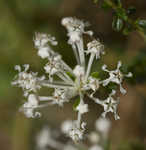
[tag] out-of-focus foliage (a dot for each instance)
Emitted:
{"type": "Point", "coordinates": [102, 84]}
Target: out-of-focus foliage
{"type": "Point", "coordinates": [138, 68]}
{"type": "Point", "coordinates": [124, 17]}
{"type": "Point", "coordinates": [136, 145]}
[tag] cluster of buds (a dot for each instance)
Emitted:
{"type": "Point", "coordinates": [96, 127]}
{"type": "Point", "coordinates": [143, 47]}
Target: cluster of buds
{"type": "Point", "coordinates": [72, 82]}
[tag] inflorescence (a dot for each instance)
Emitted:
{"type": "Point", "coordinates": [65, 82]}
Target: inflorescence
{"type": "Point", "coordinates": [73, 82]}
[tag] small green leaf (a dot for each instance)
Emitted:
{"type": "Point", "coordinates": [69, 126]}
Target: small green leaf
{"type": "Point", "coordinates": [95, 74]}
{"type": "Point", "coordinates": [142, 23]}
{"type": "Point", "coordinates": [70, 75]}
{"type": "Point", "coordinates": [121, 13]}
{"type": "Point", "coordinates": [124, 69]}
{"type": "Point", "coordinates": [112, 86]}
{"type": "Point", "coordinates": [128, 28]}
{"type": "Point", "coordinates": [117, 24]}
{"type": "Point", "coordinates": [126, 31]}
{"type": "Point", "coordinates": [131, 10]}
{"type": "Point", "coordinates": [75, 105]}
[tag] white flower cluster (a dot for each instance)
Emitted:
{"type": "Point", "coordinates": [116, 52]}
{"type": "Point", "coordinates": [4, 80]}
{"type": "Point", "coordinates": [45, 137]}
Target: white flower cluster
{"type": "Point", "coordinates": [96, 138]}
{"type": "Point", "coordinates": [46, 139]}
{"type": "Point", "coordinates": [116, 76]}
{"type": "Point", "coordinates": [28, 81]}
{"type": "Point", "coordinates": [109, 104]}
{"type": "Point", "coordinates": [72, 82]}
{"type": "Point", "coordinates": [72, 129]}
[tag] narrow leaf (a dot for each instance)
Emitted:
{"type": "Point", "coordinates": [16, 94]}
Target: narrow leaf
{"type": "Point", "coordinates": [70, 75]}
{"type": "Point", "coordinates": [75, 105]}
{"type": "Point", "coordinates": [142, 23]}
{"type": "Point", "coordinates": [131, 10]}
{"type": "Point", "coordinates": [95, 74]}
{"type": "Point", "coordinates": [117, 24]}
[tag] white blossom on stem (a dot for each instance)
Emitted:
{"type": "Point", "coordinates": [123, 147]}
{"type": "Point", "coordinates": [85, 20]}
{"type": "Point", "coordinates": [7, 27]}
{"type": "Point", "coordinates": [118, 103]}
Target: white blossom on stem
{"type": "Point", "coordinates": [43, 138]}
{"type": "Point", "coordinates": [82, 108]}
{"type": "Point", "coordinates": [41, 43]}
{"type": "Point", "coordinates": [60, 96]}
{"type": "Point", "coordinates": [46, 139]}
{"type": "Point", "coordinates": [76, 133]}
{"type": "Point", "coordinates": [79, 71]}
{"type": "Point", "coordinates": [116, 76]}
{"type": "Point", "coordinates": [75, 28]}
{"type": "Point", "coordinates": [54, 65]}
{"type": "Point", "coordinates": [103, 126]}
{"type": "Point", "coordinates": [110, 105]}
{"type": "Point", "coordinates": [28, 81]}
{"type": "Point", "coordinates": [66, 126]}
{"type": "Point", "coordinates": [96, 48]}
{"type": "Point", "coordinates": [29, 107]}
{"type": "Point", "coordinates": [93, 83]}
{"type": "Point", "coordinates": [94, 137]}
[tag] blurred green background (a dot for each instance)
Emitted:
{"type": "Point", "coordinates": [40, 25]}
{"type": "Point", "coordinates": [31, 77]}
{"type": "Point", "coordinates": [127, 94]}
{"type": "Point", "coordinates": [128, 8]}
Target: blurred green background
{"type": "Point", "coordinates": [19, 20]}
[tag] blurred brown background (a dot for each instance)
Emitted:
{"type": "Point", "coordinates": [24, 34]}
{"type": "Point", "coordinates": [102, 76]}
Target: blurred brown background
{"type": "Point", "coordinates": [19, 20]}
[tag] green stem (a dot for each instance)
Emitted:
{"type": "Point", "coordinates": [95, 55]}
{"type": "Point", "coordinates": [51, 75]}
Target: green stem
{"type": "Point", "coordinates": [138, 29]}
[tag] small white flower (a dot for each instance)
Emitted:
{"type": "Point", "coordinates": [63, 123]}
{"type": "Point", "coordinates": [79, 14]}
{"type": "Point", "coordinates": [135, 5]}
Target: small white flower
{"type": "Point", "coordinates": [41, 43]}
{"type": "Point", "coordinates": [27, 81]}
{"type": "Point", "coordinates": [73, 24]}
{"type": "Point", "coordinates": [103, 125]}
{"type": "Point", "coordinates": [76, 133]}
{"type": "Point", "coordinates": [30, 113]}
{"type": "Point", "coordinates": [51, 69]}
{"type": "Point", "coordinates": [74, 36]}
{"type": "Point", "coordinates": [44, 52]}
{"type": "Point", "coordinates": [32, 101]}
{"type": "Point", "coordinates": [60, 96]}
{"type": "Point", "coordinates": [66, 126]}
{"type": "Point", "coordinates": [54, 65]}
{"type": "Point", "coordinates": [82, 108]}
{"type": "Point", "coordinates": [41, 39]}
{"type": "Point", "coordinates": [95, 47]}
{"type": "Point", "coordinates": [94, 137]}
{"type": "Point", "coordinates": [79, 71]}
{"type": "Point", "coordinates": [93, 83]}
{"type": "Point", "coordinates": [29, 106]}
{"type": "Point", "coordinates": [110, 105]}
{"type": "Point", "coordinates": [75, 28]}
{"type": "Point", "coordinates": [72, 129]}
{"type": "Point", "coordinates": [116, 76]}
{"type": "Point", "coordinates": [43, 138]}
